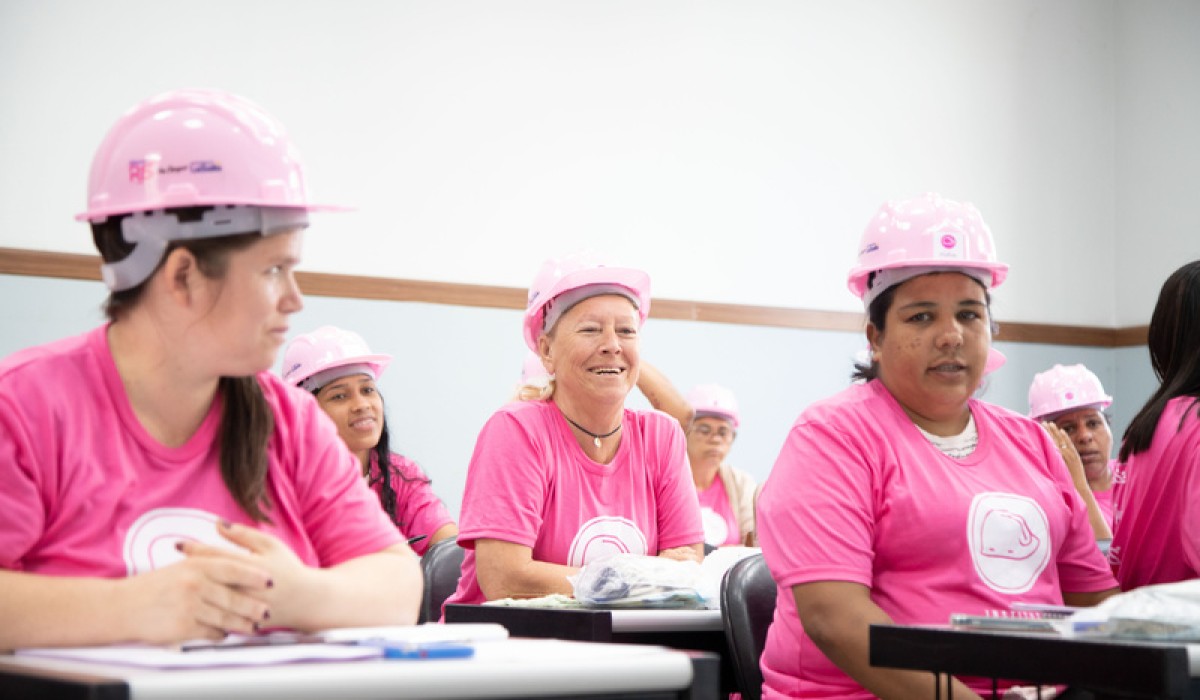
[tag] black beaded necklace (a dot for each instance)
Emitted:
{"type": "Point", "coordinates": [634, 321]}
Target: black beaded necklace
{"type": "Point", "coordinates": [595, 437]}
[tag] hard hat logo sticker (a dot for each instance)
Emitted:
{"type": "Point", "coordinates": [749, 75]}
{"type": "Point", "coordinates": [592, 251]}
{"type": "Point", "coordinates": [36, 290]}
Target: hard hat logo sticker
{"type": "Point", "coordinates": [1009, 539]}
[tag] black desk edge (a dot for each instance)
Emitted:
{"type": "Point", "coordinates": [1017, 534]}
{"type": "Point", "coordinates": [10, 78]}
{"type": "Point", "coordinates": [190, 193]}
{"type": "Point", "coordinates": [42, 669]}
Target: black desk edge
{"type": "Point", "coordinates": [1140, 668]}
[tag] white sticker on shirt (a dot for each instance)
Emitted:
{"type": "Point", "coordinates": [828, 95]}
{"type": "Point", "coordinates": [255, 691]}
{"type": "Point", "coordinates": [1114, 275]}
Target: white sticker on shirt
{"type": "Point", "coordinates": [150, 541]}
{"type": "Point", "coordinates": [716, 530]}
{"type": "Point", "coordinates": [1009, 537]}
{"type": "Point", "coordinates": [602, 537]}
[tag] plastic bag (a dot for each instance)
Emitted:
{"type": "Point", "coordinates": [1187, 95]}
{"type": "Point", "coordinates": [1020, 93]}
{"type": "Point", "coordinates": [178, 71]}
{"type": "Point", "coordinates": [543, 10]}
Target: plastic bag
{"type": "Point", "coordinates": [634, 580]}
{"type": "Point", "coordinates": [712, 571]}
{"type": "Point", "coordinates": [1168, 611]}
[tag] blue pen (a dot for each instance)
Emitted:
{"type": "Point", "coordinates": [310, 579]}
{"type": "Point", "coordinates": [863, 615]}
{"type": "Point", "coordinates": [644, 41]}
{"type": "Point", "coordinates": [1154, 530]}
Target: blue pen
{"type": "Point", "coordinates": [421, 650]}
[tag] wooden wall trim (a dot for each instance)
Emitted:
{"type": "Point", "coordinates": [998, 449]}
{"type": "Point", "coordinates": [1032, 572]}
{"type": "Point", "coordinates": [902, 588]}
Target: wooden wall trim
{"type": "Point", "coordinates": [16, 261]}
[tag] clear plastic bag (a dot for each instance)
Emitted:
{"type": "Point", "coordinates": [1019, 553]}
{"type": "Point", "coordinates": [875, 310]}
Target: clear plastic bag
{"type": "Point", "coordinates": [1164, 612]}
{"type": "Point", "coordinates": [634, 580]}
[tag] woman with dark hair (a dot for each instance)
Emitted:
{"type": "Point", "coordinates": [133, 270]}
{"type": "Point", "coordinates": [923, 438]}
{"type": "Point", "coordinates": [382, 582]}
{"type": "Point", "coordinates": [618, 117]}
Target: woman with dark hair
{"type": "Point", "coordinates": [1156, 537]}
{"type": "Point", "coordinates": [340, 370]}
{"type": "Point", "coordinates": [904, 499]}
{"type": "Point", "coordinates": [160, 484]}
{"type": "Point", "coordinates": [1070, 403]}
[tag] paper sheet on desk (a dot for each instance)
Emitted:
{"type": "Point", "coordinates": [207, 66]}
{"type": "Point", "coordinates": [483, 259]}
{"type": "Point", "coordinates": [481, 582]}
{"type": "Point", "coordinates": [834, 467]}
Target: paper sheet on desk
{"type": "Point", "coordinates": [160, 657]}
{"type": "Point", "coordinates": [416, 634]}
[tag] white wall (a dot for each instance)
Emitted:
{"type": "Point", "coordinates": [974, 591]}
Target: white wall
{"type": "Point", "coordinates": [1158, 148]}
{"type": "Point", "coordinates": [734, 148]}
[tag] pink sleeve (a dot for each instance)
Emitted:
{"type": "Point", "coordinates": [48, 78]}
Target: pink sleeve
{"type": "Point", "coordinates": [829, 538]}
{"type": "Point", "coordinates": [506, 485]}
{"type": "Point", "coordinates": [22, 510]}
{"type": "Point", "coordinates": [417, 506]}
{"type": "Point", "coordinates": [678, 508]}
{"type": "Point", "coordinates": [1189, 455]}
{"type": "Point", "coordinates": [341, 514]}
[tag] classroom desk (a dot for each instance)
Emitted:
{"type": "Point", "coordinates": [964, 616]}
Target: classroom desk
{"type": "Point", "coordinates": [511, 668]}
{"type": "Point", "coordinates": [698, 630]}
{"type": "Point", "coordinates": [1119, 669]}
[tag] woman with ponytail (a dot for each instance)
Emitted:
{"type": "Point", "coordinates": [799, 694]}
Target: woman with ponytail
{"type": "Point", "coordinates": [161, 484]}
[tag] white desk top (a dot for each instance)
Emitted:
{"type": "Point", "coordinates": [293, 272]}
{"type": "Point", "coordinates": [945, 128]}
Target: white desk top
{"type": "Point", "coordinates": [511, 667]}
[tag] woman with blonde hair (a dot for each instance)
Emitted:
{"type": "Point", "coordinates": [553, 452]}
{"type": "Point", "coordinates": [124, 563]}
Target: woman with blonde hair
{"type": "Point", "coordinates": [559, 481]}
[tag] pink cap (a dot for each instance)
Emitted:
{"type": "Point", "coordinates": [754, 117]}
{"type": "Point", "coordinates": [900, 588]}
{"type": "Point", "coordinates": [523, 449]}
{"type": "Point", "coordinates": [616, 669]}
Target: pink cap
{"type": "Point", "coordinates": [324, 349]}
{"type": "Point", "coordinates": [560, 275]}
{"type": "Point", "coordinates": [1063, 388]}
{"type": "Point", "coordinates": [533, 371]}
{"type": "Point", "coordinates": [714, 400]}
{"type": "Point", "coordinates": [192, 148]}
{"type": "Point", "coordinates": [925, 232]}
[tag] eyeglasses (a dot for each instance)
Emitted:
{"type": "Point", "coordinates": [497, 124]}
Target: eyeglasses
{"type": "Point", "coordinates": [707, 431]}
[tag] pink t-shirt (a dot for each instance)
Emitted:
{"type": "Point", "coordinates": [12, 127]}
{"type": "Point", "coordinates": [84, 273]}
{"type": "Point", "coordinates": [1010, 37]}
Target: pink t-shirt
{"type": "Point", "coordinates": [716, 513]}
{"type": "Point", "coordinates": [418, 509]}
{"type": "Point", "coordinates": [1157, 532]}
{"type": "Point", "coordinates": [859, 495]}
{"type": "Point", "coordinates": [88, 491]}
{"type": "Point", "coordinates": [1104, 501]}
{"type": "Point", "coordinates": [529, 483]}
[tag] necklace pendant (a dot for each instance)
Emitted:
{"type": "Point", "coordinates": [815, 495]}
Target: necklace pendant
{"type": "Point", "coordinates": [596, 440]}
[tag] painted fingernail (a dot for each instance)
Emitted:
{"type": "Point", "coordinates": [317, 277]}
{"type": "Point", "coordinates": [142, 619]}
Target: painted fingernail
{"type": "Point", "coordinates": [266, 614]}
{"type": "Point", "coordinates": [226, 524]}
{"type": "Point", "coordinates": [255, 626]}
{"type": "Point", "coordinates": [270, 583]}
{"type": "Point", "coordinates": [179, 545]}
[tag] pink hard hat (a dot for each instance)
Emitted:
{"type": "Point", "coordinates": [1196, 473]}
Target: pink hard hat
{"type": "Point", "coordinates": [714, 400]}
{"type": "Point", "coordinates": [190, 148]}
{"type": "Point", "coordinates": [194, 148]}
{"type": "Point", "coordinates": [312, 360]}
{"type": "Point", "coordinates": [995, 360]}
{"type": "Point", "coordinates": [560, 275]}
{"type": "Point", "coordinates": [532, 369]}
{"type": "Point", "coordinates": [1063, 388]}
{"type": "Point", "coordinates": [926, 232]}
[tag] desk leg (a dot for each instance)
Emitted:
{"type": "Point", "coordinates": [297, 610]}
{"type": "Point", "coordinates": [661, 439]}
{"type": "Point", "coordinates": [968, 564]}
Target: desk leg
{"type": "Point", "coordinates": [937, 685]}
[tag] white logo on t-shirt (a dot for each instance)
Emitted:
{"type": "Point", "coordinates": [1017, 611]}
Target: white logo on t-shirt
{"type": "Point", "coordinates": [150, 541]}
{"type": "Point", "coordinates": [602, 537]}
{"type": "Point", "coordinates": [716, 530]}
{"type": "Point", "coordinates": [1009, 536]}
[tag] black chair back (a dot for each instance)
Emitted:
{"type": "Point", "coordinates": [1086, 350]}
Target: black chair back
{"type": "Point", "coordinates": [442, 567]}
{"type": "Point", "coordinates": [747, 607]}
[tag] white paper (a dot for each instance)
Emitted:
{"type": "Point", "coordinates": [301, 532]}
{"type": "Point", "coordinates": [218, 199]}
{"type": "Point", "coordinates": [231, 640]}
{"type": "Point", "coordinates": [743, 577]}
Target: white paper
{"type": "Point", "coordinates": [429, 632]}
{"type": "Point", "coordinates": [163, 657]}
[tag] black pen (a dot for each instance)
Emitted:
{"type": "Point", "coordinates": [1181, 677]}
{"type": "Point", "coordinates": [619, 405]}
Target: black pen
{"type": "Point", "coordinates": [414, 540]}
{"type": "Point", "coordinates": [261, 641]}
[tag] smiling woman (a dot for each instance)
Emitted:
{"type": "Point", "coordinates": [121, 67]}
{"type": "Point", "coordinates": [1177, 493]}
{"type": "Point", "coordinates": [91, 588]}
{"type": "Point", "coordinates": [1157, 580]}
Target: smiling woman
{"type": "Point", "coordinates": [903, 499]}
{"type": "Point", "coordinates": [341, 371]}
{"type": "Point", "coordinates": [573, 476]}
